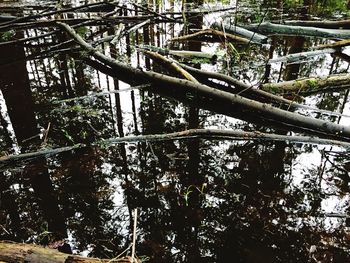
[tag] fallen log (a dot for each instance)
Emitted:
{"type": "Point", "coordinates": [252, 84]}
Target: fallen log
{"type": "Point", "coordinates": [244, 108]}
{"type": "Point", "coordinates": [330, 24]}
{"type": "Point", "coordinates": [261, 95]}
{"type": "Point", "coordinates": [28, 253]}
{"type": "Point", "coordinates": [298, 57]}
{"type": "Point", "coordinates": [309, 84]}
{"type": "Point", "coordinates": [234, 29]}
{"type": "Point", "coordinates": [270, 28]}
{"type": "Point", "coordinates": [336, 45]}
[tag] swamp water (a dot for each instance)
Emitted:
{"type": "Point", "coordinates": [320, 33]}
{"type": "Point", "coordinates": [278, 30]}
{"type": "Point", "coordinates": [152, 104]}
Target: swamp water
{"type": "Point", "coordinates": [198, 199]}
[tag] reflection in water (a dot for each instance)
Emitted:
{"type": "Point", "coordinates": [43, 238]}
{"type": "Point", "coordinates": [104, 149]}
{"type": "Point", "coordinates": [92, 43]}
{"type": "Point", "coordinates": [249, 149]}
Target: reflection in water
{"type": "Point", "coordinates": [199, 200]}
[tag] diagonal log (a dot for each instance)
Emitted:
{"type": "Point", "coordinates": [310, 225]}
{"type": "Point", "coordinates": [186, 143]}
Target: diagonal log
{"type": "Point", "coordinates": [257, 94]}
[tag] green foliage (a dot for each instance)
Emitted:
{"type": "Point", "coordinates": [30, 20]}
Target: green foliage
{"type": "Point", "coordinates": [82, 31]}
{"type": "Point", "coordinates": [233, 51]}
{"type": "Point", "coordinates": [319, 7]}
{"type": "Point", "coordinates": [186, 194]}
{"type": "Point", "coordinates": [67, 136]}
{"type": "Point", "coordinates": [330, 6]}
{"type": "Point", "coordinates": [8, 35]}
{"type": "Point", "coordinates": [79, 109]}
{"type": "Point", "coordinates": [200, 60]}
{"type": "Point", "coordinates": [144, 258]}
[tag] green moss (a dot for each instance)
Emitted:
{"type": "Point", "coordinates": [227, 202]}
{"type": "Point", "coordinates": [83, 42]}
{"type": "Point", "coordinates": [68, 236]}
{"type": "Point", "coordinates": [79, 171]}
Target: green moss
{"type": "Point", "coordinates": [272, 89]}
{"type": "Point", "coordinates": [82, 31]}
{"type": "Point", "coordinates": [297, 84]}
{"type": "Point", "coordinates": [312, 83]}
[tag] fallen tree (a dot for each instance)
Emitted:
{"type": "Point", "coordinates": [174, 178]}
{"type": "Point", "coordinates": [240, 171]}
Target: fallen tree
{"type": "Point", "coordinates": [28, 253]}
{"type": "Point", "coordinates": [331, 24]}
{"type": "Point", "coordinates": [248, 91]}
{"type": "Point", "coordinates": [310, 85]}
{"type": "Point", "coordinates": [220, 101]}
{"type": "Point", "coordinates": [234, 29]}
{"type": "Point", "coordinates": [271, 28]}
{"type": "Point", "coordinates": [298, 57]}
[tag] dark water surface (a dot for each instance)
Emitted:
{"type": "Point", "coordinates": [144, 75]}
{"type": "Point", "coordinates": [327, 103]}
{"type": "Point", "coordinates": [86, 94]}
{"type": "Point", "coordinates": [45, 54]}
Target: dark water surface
{"type": "Point", "coordinates": [198, 200]}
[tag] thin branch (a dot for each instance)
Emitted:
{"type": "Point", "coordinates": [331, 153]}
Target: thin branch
{"type": "Point", "coordinates": [206, 33]}
{"type": "Point", "coordinates": [134, 236]}
{"type": "Point", "coordinates": [208, 134]}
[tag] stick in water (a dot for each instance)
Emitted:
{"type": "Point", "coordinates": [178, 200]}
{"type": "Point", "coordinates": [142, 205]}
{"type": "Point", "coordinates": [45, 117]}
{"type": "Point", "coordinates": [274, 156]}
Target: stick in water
{"type": "Point", "coordinates": [134, 236]}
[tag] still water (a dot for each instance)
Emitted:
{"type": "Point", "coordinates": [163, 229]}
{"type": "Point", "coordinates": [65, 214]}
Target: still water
{"type": "Point", "coordinates": [198, 200]}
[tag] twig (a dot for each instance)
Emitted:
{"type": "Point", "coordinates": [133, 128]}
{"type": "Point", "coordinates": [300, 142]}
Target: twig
{"type": "Point", "coordinates": [211, 32]}
{"type": "Point", "coordinates": [120, 254]}
{"type": "Point", "coordinates": [46, 133]}
{"type": "Point", "coordinates": [101, 94]}
{"type": "Point", "coordinates": [134, 236]}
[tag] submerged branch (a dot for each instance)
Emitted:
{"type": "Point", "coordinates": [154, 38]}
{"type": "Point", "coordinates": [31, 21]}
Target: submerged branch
{"type": "Point", "coordinates": [298, 57]}
{"type": "Point", "coordinates": [212, 35]}
{"type": "Point", "coordinates": [209, 134]}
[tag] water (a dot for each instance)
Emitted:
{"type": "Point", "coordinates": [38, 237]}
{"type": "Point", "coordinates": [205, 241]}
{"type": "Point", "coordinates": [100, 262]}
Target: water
{"type": "Point", "coordinates": [198, 200]}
